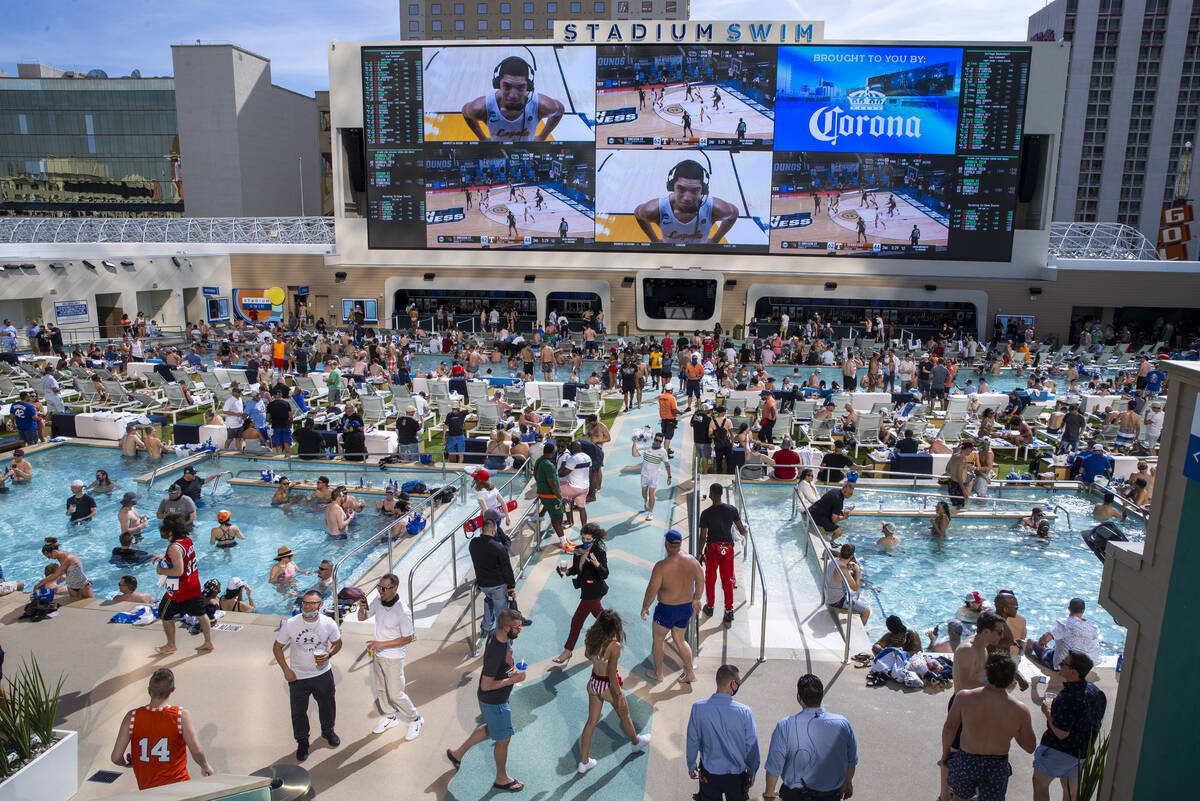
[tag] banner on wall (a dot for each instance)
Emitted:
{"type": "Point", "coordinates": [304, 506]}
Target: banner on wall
{"type": "Point", "coordinates": [71, 312]}
{"type": "Point", "coordinates": [259, 305]}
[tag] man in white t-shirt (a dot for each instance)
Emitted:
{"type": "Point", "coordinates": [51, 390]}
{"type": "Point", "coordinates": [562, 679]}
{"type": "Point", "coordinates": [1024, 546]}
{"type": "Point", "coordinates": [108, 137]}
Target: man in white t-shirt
{"type": "Point", "coordinates": [314, 639]}
{"type": "Point", "coordinates": [1154, 423]}
{"type": "Point", "coordinates": [783, 324]}
{"type": "Point", "coordinates": [234, 417]}
{"type": "Point", "coordinates": [393, 633]}
{"type": "Point", "coordinates": [653, 460]}
{"type": "Point", "coordinates": [1071, 633]}
{"type": "Point", "coordinates": [576, 469]}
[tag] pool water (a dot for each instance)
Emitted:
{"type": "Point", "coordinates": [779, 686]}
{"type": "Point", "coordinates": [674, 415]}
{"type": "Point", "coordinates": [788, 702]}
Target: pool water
{"type": "Point", "coordinates": [925, 579]}
{"type": "Point", "coordinates": [34, 511]}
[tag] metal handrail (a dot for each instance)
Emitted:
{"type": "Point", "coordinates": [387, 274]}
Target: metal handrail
{"type": "Point", "coordinates": [527, 467]}
{"type": "Point", "coordinates": [906, 493]}
{"type": "Point", "coordinates": [386, 531]}
{"type": "Point", "coordinates": [812, 529]}
{"type": "Point", "coordinates": [1060, 508]}
{"type": "Point", "coordinates": [167, 468]}
{"type": "Point", "coordinates": [757, 565]}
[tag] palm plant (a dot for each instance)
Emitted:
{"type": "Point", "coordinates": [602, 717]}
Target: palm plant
{"type": "Point", "coordinates": [1091, 772]}
{"type": "Point", "coordinates": [28, 710]}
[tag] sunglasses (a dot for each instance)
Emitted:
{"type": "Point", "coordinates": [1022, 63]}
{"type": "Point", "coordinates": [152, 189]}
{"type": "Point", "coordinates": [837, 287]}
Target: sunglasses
{"type": "Point", "coordinates": [387, 586]}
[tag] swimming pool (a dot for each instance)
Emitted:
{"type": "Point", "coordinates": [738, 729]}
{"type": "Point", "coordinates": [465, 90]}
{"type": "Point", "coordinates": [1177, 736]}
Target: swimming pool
{"type": "Point", "coordinates": [925, 579]}
{"type": "Point", "coordinates": [33, 512]}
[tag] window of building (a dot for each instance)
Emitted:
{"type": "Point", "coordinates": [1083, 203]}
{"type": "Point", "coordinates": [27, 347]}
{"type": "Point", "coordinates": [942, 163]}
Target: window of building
{"type": "Point", "coordinates": [506, 8]}
{"type": "Point", "coordinates": [623, 7]}
{"type": "Point", "coordinates": [528, 24]}
{"type": "Point", "coordinates": [598, 6]}
{"type": "Point", "coordinates": [576, 8]}
{"type": "Point", "coordinates": [505, 24]}
{"type": "Point", "coordinates": [481, 24]}
{"type": "Point", "coordinates": [414, 9]}
{"type": "Point", "coordinates": [459, 25]}
{"type": "Point", "coordinates": [414, 25]}
{"type": "Point", "coordinates": [647, 6]}
{"type": "Point", "coordinates": [435, 8]}
{"type": "Point", "coordinates": [435, 25]}
{"type": "Point", "coordinates": [552, 8]}
{"type": "Point", "coordinates": [459, 8]}
{"type": "Point", "coordinates": [672, 7]}
{"type": "Point", "coordinates": [481, 8]}
{"type": "Point", "coordinates": [528, 8]}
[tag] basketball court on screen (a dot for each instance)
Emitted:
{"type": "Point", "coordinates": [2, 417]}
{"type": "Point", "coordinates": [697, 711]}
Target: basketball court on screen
{"type": "Point", "coordinates": [455, 76]}
{"type": "Point", "coordinates": [627, 178]}
{"type": "Point", "coordinates": [488, 214]}
{"type": "Point", "coordinates": [840, 224]}
{"type": "Point", "coordinates": [666, 119]}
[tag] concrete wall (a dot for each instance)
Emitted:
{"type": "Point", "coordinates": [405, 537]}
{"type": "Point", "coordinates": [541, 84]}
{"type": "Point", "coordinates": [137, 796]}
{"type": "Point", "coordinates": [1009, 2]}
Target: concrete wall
{"type": "Point", "coordinates": [152, 285]}
{"type": "Point", "coordinates": [1150, 588]}
{"type": "Point", "coordinates": [1124, 283]}
{"type": "Point", "coordinates": [245, 143]}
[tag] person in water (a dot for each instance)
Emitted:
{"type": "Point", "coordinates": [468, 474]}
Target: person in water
{"type": "Point", "coordinates": [225, 534]}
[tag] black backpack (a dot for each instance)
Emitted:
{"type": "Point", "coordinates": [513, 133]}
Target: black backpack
{"type": "Point", "coordinates": [720, 438]}
{"type": "Point", "coordinates": [38, 609]}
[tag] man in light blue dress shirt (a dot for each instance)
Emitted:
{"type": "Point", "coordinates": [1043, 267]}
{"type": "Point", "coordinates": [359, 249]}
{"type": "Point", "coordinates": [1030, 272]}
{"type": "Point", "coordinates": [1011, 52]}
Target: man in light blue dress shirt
{"type": "Point", "coordinates": [721, 732]}
{"type": "Point", "coordinates": [814, 752]}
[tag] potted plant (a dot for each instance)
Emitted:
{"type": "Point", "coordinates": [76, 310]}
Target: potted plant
{"type": "Point", "coordinates": [1091, 772]}
{"type": "Point", "coordinates": [37, 761]}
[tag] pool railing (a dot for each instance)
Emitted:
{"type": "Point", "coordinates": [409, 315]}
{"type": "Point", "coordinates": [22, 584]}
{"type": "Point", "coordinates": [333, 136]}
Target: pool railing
{"type": "Point", "coordinates": [812, 530]}
{"type": "Point", "coordinates": [525, 470]}
{"type": "Point", "coordinates": [756, 565]}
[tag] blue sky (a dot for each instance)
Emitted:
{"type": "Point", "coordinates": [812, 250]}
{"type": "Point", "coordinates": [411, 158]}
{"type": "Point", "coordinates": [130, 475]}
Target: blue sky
{"type": "Point", "coordinates": [117, 37]}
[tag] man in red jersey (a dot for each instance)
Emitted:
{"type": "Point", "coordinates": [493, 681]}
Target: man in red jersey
{"type": "Point", "coordinates": [161, 736]}
{"type": "Point", "coordinates": [183, 596]}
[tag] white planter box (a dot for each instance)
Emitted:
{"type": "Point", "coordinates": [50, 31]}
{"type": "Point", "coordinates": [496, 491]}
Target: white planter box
{"type": "Point", "coordinates": [52, 776]}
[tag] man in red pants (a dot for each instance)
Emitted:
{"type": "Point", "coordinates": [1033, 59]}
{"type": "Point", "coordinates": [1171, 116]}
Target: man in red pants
{"type": "Point", "coordinates": [716, 549]}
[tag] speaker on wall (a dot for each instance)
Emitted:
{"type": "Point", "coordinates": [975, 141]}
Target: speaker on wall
{"type": "Point", "coordinates": [356, 160]}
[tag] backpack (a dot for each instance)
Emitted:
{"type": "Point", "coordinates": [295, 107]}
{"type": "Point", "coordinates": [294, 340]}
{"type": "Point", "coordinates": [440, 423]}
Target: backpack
{"type": "Point", "coordinates": [351, 595]}
{"type": "Point", "coordinates": [445, 494]}
{"type": "Point", "coordinates": [720, 437]}
{"type": "Point", "coordinates": [38, 609]}
{"type": "Point", "coordinates": [414, 487]}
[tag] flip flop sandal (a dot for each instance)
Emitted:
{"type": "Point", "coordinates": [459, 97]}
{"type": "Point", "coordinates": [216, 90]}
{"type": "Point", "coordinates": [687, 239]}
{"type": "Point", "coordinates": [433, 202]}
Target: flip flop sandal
{"type": "Point", "coordinates": [455, 762]}
{"type": "Point", "coordinates": [513, 786]}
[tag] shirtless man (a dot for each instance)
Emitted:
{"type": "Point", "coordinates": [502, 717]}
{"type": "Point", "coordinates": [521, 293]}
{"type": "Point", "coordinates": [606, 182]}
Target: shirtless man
{"type": "Point", "coordinates": [337, 519]}
{"type": "Point", "coordinates": [392, 506]}
{"type": "Point", "coordinates": [131, 443]}
{"type": "Point", "coordinates": [1012, 642]}
{"type": "Point", "coordinates": [129, 592]}
{"type": "Point", "coordinates": [986, 720]}
{"type": "Point", "coordinates": [18, 468]}
{"type": "Point", "coordinates": [970, 660]}
{"type": "Point", "coordinates": [131, 521]}
{"type": "Point", "coordinates": [1106, 510]}
{"type": "Point", "coordinates": [548, 362]}
{"type": "Point", "coordinates": [1129, 424]}
{"type": "Point", "coordinates": [959, 471]}
{"type": "Point", "coordinates": [677, 582]}
{"type": "Point", "coordinates": [154, 445]}
{"type": "Point", "coordinates": [323, 493]}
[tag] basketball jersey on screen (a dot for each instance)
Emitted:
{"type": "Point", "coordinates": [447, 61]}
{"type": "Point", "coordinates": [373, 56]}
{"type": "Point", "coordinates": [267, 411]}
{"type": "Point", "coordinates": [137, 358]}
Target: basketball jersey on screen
{"type": "Point", "coordinates": [695, 230]}
{"type": "Point", "coordinates": [519, 130]}
{"type": "Point", "coordinates": [157, 749]}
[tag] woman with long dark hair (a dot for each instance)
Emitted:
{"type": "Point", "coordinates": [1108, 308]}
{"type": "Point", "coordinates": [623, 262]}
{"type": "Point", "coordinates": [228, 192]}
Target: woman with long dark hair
{"type": "Point", "coordinates": [589, 569]}
{"type": "Point", "coordinates": [602, 645]}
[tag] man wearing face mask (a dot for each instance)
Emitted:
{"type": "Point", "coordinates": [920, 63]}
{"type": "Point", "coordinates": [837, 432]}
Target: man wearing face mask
{"type": "Point", "coordinates": [393, 632]}
{"type": "Point", "coordinates": [721, 732]}
{"type": "Point", "coordinates": [314, 639]}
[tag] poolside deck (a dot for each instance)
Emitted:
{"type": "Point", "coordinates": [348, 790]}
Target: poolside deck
{"type": "Point", "coordinates": [240, 703]}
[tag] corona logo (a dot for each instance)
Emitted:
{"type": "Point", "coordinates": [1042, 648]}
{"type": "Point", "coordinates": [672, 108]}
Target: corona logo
{"type": "Point", "coordinates": [867, 100]}
{"type": "Point", "coordinates": [831, 123]}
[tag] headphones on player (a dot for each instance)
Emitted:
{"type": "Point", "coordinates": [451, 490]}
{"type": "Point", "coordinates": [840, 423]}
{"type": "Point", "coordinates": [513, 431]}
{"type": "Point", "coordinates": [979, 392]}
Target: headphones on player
{"type": "Point", "coordinates": [703, 173]}
{"type": "Point", "coordinates": [497, 72]}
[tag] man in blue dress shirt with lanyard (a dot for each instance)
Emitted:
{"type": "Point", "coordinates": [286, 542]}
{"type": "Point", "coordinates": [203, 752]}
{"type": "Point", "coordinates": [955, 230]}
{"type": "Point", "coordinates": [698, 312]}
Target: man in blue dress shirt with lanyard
{"type": "Point", "coordinates": [814, 752]}
{"type": "Point", "coordinates": [721, 732]}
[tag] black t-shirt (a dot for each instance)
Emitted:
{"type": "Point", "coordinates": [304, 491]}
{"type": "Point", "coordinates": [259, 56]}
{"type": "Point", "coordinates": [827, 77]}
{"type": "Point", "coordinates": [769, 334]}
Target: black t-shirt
{"type": "Point", "coordinates": [700, 423]}
{"type": "Point", "coordinates": [406, 431]}
{"type": "Point", "coordinates": [924, 370]}
{"type": "Point", "coordinates": [719, 520]}
{"type": "Point", "coordinates": [278, 412]}
{"type": "Point", "coordinates": [353, 442]}
{"type": "Point", "coordinates": [824, 507]}
{"type": "Point", "coordinates": [498, 664]}
{"type": "Point", "coordinates": [300, 358]}
{"type": "Point", "coordinates": [83, 506]}
{"type": "Point", "coordinates": [456, 423]}
{"type": "Point", "coordinates": [629, 377]}
{"type": "Point", "coordinates": [352, 418]}
{"type": "Point", "coordinates": [190, 487]}
{"type": "Point", "coordinates": [908, 445]}
{"type": "Point", "coordinates": [310, 441]}
{"type": "Point", "coordinates": [835, 460]}
{"type": "Point", "coordinates": [1073, 425]}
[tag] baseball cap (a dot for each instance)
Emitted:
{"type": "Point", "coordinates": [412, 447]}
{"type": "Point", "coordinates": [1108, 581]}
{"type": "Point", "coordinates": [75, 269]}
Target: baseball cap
{"type": "Point", "coordinates": [390, 491]}
{"type": "Point", "coordinates": [491, 514]}
{"type": "Point", "coordinates": [673, 536]}
{"type": "Point", "coordinates": [1097, 447]}
{"type": "Point", "coordinates": [889, 528]}
{"type": "Point", "coordinates": [76, 483]}
{"type": "Point", "coordinates": [130, 498]}
{"type": "Point", "coordinates": [973, 597]}
{"type": "Point", "coordinates": [481, 475]}
{"type": "Point", "coordinates": [19, 452]}
{"type": "Point", "coordinates": [235, 583]}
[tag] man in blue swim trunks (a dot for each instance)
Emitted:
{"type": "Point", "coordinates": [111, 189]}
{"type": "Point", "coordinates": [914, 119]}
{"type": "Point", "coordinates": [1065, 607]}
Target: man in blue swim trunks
{"type": "Point", "coordinates": [677, 581]}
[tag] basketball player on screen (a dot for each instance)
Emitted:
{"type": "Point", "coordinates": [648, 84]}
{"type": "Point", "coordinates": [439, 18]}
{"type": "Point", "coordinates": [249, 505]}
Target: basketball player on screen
{"type": "Point", "coordinates": [513, 111]}
{"type": "Point", "coordinates": [687, 214]}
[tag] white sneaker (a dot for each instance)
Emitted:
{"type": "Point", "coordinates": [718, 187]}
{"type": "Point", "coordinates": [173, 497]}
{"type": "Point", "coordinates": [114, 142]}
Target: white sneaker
{"type": "Point", "coordinates": [414, 728]}
{"type": "Point", "coordinates": [584, 767]}
{"type": "Point", "coordinates": [649, 515]}
{"type": "Point", "coordinates": [384, 724]}
{"type": "Point", "coordinates": [642, 741]}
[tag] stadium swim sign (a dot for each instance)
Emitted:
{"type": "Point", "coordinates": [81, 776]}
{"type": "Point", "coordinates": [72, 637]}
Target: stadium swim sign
{"type": "Point", "coordinates": [689, 32]}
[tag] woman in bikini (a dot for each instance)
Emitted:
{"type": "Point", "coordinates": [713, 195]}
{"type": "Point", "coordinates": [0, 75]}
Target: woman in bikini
{"type": "Point", "coordinates": [70, 569]}
{"type": "Point", "coordinates": [225, 534]}
{"type": "Point", "coordinates": [602, 645]}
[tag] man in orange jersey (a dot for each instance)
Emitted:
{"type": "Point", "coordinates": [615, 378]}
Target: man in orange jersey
{"type": "Point", "coordinates": [158, 737]}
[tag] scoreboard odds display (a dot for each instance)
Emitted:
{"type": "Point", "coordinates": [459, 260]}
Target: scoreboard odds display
{"type": "Point", "coordinates": [833, 150]}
